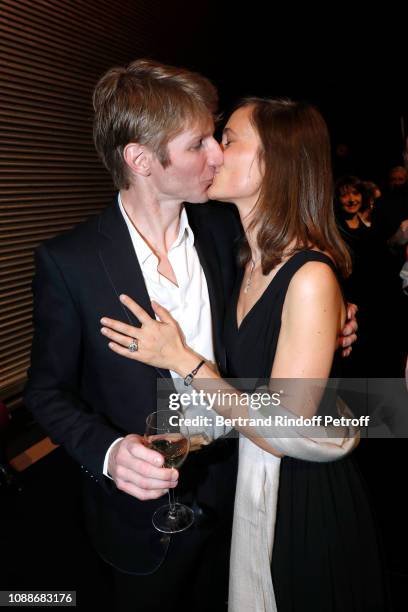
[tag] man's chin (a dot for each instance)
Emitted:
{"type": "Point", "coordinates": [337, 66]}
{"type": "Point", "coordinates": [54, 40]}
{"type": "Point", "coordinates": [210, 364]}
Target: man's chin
{"type": "Point", "coordinates": [198, 199]}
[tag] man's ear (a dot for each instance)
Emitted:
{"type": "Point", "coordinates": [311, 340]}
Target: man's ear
{"type": "Point", "coordinates": [138, 158]}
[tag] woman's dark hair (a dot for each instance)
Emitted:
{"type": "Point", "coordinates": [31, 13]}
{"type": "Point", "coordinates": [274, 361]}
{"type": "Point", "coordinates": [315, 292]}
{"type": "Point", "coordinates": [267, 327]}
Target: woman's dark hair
{"type": "Point", "coordinates": [295, 204]}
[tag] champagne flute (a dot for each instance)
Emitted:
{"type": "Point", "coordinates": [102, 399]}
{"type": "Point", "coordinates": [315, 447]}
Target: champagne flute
{"type": "Point", "coordinates": [163, 434]}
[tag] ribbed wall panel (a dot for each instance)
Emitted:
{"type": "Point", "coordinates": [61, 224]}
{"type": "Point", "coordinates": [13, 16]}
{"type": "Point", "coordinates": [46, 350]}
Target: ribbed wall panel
{"type": "Point", "coordinates": [52, 52]}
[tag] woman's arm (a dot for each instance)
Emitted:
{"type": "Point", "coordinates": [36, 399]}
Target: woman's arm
{"type": "Point", "coordinates": [312, 316]}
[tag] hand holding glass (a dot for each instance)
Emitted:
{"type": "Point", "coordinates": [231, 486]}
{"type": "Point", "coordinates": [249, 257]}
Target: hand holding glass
{"type": "Point", "coordinates": [174, 445]}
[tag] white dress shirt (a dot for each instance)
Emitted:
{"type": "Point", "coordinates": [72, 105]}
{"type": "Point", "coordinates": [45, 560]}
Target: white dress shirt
{"type": "Point", "coordinates": [188, 303]}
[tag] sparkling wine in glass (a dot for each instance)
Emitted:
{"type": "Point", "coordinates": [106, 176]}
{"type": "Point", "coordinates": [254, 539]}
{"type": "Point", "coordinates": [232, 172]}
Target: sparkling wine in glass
{"type": "Point", "coordinates": [164, 434]}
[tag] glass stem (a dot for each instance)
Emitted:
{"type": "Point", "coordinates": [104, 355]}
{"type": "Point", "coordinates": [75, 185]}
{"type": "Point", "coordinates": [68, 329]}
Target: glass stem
{"type": "Point", "coordinates": [172, 504]}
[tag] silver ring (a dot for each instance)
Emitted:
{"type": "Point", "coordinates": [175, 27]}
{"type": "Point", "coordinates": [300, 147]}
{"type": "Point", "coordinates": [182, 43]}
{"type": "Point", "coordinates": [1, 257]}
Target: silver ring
{"type": "Point", "coordinates": [133, 346]}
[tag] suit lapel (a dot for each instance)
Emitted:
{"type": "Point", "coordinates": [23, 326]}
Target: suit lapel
{"type": "Point", "coordinates": [121, 266]}
{"type": "Point", "coordinates": [207, 252]}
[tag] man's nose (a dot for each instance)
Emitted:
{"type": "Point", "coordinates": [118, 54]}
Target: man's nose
{"type": "Point", "coordinates": [215, 154]}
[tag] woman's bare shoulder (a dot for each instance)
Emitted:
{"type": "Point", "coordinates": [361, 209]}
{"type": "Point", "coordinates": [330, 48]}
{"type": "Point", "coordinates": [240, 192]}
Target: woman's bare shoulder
{"type": "Point", "coordinates": [314, 278]}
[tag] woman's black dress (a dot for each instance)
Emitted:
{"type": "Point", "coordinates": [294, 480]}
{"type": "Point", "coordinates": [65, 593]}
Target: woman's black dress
{"type": "Point", "coordinates": [326, 554]}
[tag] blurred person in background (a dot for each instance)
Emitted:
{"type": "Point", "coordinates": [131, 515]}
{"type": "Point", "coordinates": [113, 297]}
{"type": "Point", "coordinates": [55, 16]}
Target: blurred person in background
{"type": "Point", "coordinates": [397, 177]}
{"type": "Point", "coordinates": [373, 192]}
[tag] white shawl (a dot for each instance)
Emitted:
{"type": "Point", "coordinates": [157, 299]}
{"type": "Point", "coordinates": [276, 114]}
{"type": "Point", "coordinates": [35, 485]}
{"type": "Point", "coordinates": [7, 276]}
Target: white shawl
{"type": "Point", "coordinates": [250, 587]}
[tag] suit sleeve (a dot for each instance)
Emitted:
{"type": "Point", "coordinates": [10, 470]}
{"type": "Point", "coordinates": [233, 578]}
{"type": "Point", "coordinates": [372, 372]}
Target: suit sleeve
{"type": "Point", "coordinates": [52, 392]}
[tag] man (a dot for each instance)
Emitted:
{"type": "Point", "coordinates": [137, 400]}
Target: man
{"type": "Point", "coordinates": [154, 132]}
{"type": "Point", "coordinates": [397, 177]}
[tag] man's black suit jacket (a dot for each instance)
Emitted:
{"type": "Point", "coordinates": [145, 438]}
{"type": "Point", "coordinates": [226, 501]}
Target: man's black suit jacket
{"type": "Point", "coordinates": [85, 396]}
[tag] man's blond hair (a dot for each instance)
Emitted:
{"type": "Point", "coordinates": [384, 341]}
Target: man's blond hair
{"type": "Point", "coordinates": [148, 103]}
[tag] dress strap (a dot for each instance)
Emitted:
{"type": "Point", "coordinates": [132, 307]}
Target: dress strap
{"type": "Point", "coordinates": [292, 265]}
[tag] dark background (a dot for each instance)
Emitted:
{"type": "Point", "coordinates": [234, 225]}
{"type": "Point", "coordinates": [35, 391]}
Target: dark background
{"type": "Point", "coordinates": [351, 65]}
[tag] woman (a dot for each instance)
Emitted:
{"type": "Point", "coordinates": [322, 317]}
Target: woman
{"type": "Point", "coordinates": [371, 284]}
{"type": "Point", "coordinates": [352, 202]}
{"type": "Point", "coordinates": [283, 322]}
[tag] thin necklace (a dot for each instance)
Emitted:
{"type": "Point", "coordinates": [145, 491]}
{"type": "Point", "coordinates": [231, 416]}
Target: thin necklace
{"type": "Point", "coordinates": [249, 280]}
